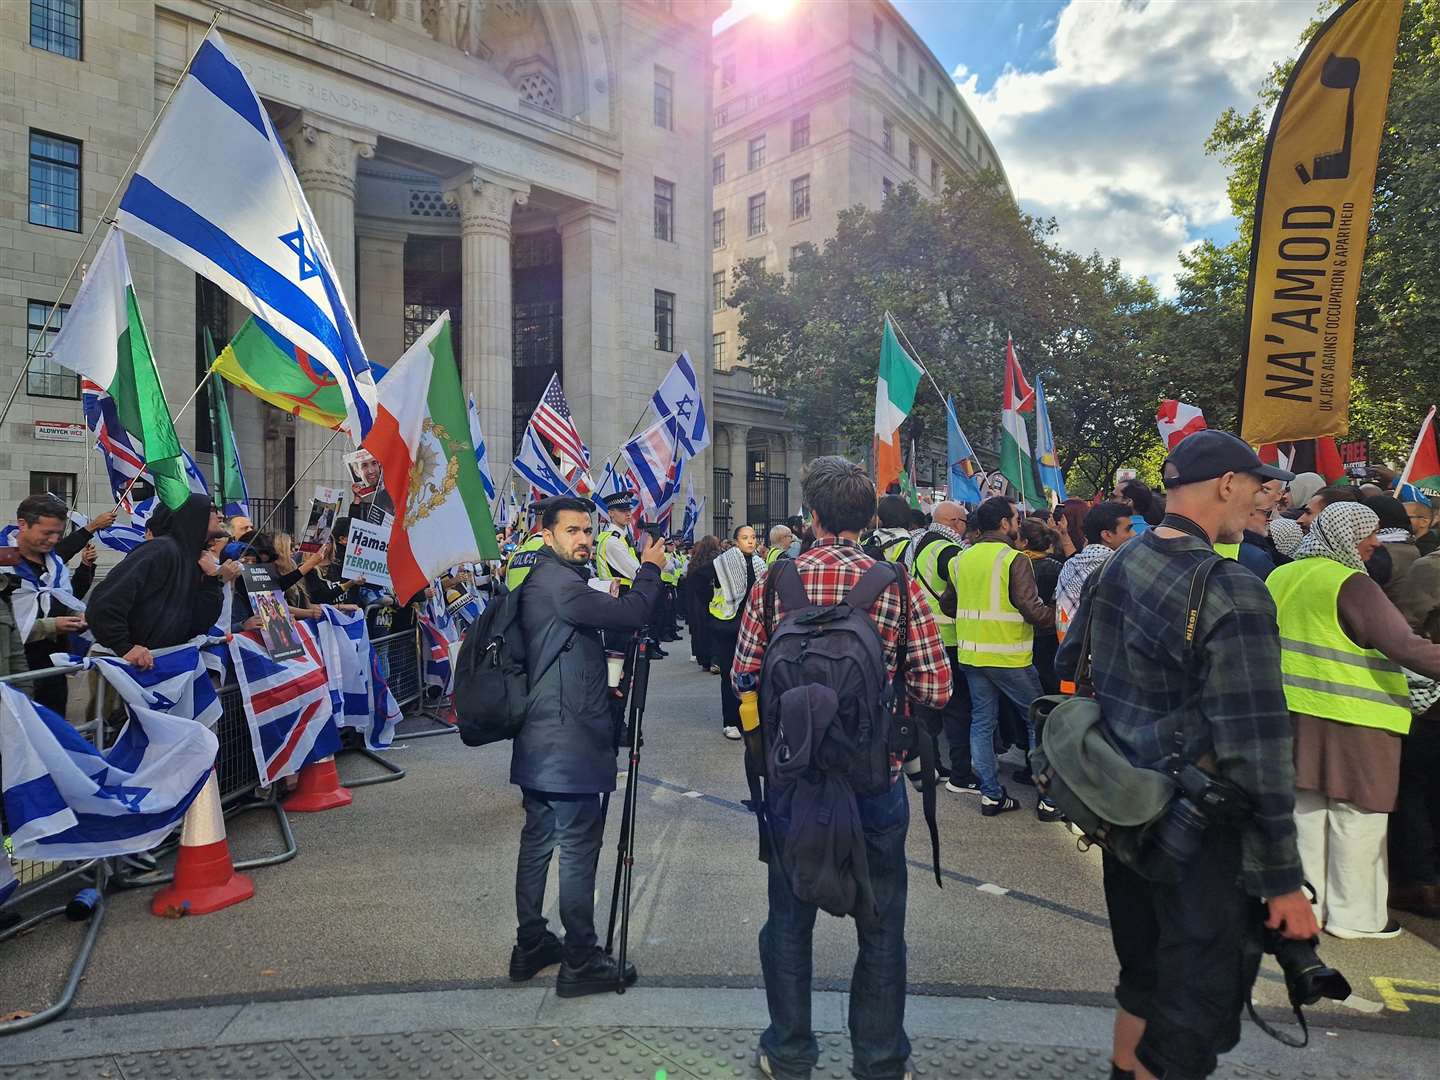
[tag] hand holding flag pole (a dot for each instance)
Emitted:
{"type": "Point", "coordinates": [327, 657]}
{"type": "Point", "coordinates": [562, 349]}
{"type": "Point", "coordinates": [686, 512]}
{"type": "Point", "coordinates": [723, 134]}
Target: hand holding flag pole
{"type": "Point", "coordinates": [105, 218]}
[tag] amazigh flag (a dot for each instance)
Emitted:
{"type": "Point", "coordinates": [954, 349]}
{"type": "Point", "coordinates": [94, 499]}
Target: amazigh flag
{"type": "Point", "coordinates": [1016, 463]}
{"type": "Point", "coordinates": [1422, 471]}
{"type": "Point", "coordinates": [259, 360]}
{"type": "Point", "coordinates": [1052, 477]}
{"type": "Point", "coordinates": [230, 490]}
{"type": "Point", "coordinates": [104, 340]}
{"type": "Point", "coordinates": [421, 438]}
{"type": "Point", "coordinates": [895, 388]}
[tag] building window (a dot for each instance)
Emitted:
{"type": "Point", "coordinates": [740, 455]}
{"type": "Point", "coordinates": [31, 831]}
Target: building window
{"type": "Point", "coordinates": [877, 31]}
{"type": "Point", "coordinates": [902, 58]}
{"type": "Point", "coordinates": [914, 156]}
{"type": "Point", "coordinates": [755, 215]}
{"type": "Point", "coordinates": [717, 229]}
{"type": "Point", "coordinates": [664, 98]}
{"type": "Point", "coordinates": [955, 123]}
{"type": "Point", "coordinates": [44, 377]}
{"type": "Point", "coordinates": [717, 290]}
{"type": "Point", "coordinates": [920, 74]}
{"type": "Point", "coordinates": [59, 484]}
{"type": "Point", "coordinates": [795, 252]}
{"type": "Point", "coordinates": [800, 197]}
{"type": "Point", "coordinates": [755, 156]}
{"type": "Point", "coordinates": [800, 132]}
{"type": "Point", "coordinates": [664, 210]}
{"type": "Point", "coordinates": [887, 135]}
{"type": "Point", "coordinates": [664, 321]}
{"type": "Point", "coordinates": [717, 350]}
{"type": "Point", "coordinates": [727, 72]}
{"type": "Point", "coordinates": [934, 175]}
{"type": "Point", "coordinates": [887, 186]}
{"type": "Point", "coordinates": [54, 181]}
{"type": "Point", "coordinates": [717, 170]}
{"type": "Point", "coordinates": [55, 26]}
{"type": "Point", "coordinates": [939, 100]}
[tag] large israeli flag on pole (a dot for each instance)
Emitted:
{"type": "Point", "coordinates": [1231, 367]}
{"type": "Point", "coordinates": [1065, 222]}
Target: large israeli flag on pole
{"type": "Point", "coordinates": [679, 402]}
{"type": "Point", "coordinates": [538, 470]}
{"type": "Point", "coordinates": [216, 191]}
{"type": "Point", "coordinates": [482, 456]}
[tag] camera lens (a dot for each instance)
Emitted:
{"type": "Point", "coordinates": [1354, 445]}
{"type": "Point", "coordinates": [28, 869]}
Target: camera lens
{"type": "Point", "coordinates": [1307, 977]}
{"type": "Point", "coordinates": [1179, 832]}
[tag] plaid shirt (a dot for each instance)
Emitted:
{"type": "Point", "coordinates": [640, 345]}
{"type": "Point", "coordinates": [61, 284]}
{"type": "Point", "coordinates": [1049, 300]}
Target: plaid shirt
{"type": "Point", "coordinates": [1143, 682]}
{"type": "Point", "coordinates": [828, 571]}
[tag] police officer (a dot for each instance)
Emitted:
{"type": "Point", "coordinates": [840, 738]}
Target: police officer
{"type": "Point", "coordinates": [522, 559]}
{"type": "Point", "coordinates": [615, 557]}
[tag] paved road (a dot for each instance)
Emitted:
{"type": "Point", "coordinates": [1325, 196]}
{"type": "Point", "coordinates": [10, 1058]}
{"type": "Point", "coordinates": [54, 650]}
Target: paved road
{"type": "Point", "coordinates": [411, 889]}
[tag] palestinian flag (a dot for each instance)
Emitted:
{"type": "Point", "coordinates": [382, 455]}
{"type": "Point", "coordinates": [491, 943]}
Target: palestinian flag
{"type": "Point", "coordinates": [1017, 464]}
{"type": "Point", "coordinates": [421, 437]}
{"type": "Point", "coordinates": [104, 342]}
{"type": "Point", "coordinates": [1423, 469]}
{"type": "Point", "coordinates": [895, 388]}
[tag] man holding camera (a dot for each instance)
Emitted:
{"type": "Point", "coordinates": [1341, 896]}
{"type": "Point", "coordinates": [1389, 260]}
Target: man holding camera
{"type": "Point", "coordinates": [1183, 981]}
{"type": "Point", "coordinates": [564, 756]}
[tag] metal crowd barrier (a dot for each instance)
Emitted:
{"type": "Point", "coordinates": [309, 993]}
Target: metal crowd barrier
{"type": "Point", "coordinates": [404, 672]}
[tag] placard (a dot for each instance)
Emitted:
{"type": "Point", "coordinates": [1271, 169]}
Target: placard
{"type": "Point", "coordinates": [366, 474]}
{"type": "Point", "coordinates": [277, 628]}
{"type": "Point", "coordinates": [367, 554]}
{"type": "Point", "coordinates": [1355, 456]}
{"type": "Point", "coordinates": [324, 509]}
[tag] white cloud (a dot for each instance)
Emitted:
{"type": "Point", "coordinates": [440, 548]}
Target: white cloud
{"type": "Point", "coordinates": [1110, 140]}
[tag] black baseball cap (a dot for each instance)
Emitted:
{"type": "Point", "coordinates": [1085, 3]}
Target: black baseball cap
{"type": "Point", "coordinates": [1208, 454]}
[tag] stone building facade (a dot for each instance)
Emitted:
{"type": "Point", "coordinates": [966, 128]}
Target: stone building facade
{"type": "Point", "coordinates": [538, 168]}
{"type": "Point", "coordinates": [824, 107]}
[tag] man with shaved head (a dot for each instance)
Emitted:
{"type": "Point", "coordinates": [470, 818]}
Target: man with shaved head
{"type": "Point", "coordinates": [929, 560]}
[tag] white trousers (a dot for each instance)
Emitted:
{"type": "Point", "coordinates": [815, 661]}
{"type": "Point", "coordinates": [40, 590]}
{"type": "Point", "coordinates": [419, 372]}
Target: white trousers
{"type": "Point", "coordinates": [1342, 850]}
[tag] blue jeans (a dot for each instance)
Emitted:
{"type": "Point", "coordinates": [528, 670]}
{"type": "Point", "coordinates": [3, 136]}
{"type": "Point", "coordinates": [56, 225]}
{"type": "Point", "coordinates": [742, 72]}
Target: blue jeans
{"type": "Point", "coordinates": [1020, 685]}
{"type": "Point", "coordinates": [877, 986]}
{"type": "Point", "coordinates": [574, 824]}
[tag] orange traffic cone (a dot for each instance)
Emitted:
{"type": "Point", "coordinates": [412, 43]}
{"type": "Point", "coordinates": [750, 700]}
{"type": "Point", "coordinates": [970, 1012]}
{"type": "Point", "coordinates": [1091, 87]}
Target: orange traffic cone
{"type": "Point", "coordinates": [205, 879]}
{"type": "Point", "coordinates": [319, 789]}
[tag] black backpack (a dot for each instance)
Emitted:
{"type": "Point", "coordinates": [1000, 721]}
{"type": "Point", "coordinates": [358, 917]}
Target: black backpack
{"type": "Point", "coordinates": [490, 680]}
{"type": "Point", "coordinates": [830, 718]}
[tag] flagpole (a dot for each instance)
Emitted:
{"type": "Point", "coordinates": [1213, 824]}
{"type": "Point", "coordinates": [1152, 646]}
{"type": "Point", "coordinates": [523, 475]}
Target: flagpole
{"type": "Point", "coordinates": [910, 348]}
{"type": "Point", "coordinates": [298, 477]}
{"type": "Point", "coordinates": [104, 218]}
{"type": "Point", "coordinates": [1410, 461]}
{"type": "Point", "coordinates": [188, 402]}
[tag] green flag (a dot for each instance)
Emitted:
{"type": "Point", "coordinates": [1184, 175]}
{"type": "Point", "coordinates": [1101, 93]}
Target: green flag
{"type": "Point", "coordinates": [229, 478]}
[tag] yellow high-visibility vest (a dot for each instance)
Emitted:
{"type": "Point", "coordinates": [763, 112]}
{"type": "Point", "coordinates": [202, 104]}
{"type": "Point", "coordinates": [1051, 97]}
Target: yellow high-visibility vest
{"type": "Point", "coordinates": [989, 629]}
{"type": "Point", "coordinates": [522, 561]}
{"type": "Point", "coordinates": [1325, 673]}
{"type": "Point", "coordinates": [603, 571]}
{"type": "Point", "coordinates": [933, 584]}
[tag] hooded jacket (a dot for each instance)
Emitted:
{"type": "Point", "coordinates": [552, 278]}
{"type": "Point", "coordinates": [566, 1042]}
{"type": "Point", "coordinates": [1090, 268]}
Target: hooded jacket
{"type": "Point", "coordinates": [158, 595]}
{"type": "Point", "coordinates": [567, 745]}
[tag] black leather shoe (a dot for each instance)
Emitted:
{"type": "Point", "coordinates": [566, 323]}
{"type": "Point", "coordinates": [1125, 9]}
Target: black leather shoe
{"type": "Point", "coordinates": [527, 963]}
{"type": "Point", "coordinates": [598, 975]}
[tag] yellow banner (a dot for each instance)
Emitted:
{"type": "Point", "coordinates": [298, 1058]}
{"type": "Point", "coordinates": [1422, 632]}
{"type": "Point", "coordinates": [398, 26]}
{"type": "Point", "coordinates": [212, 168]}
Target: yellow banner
{"type": "Point", "coordinates": [1311, 216]}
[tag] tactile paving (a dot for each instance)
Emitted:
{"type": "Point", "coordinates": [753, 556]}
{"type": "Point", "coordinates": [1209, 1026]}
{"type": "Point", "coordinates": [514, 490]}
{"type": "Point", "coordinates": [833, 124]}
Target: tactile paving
{"type": "Point", "coordinates": [100, 1068]}
{"type": "Point", "coordinates": [378, 1057]}
{"type": "Point", "coordinates": [271, 1059]}
{"type": "Point", "coordinates": [568, 1052]}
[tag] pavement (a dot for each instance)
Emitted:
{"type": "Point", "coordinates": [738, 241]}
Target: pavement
{"type": "Point", "coordinates": [382, 948]}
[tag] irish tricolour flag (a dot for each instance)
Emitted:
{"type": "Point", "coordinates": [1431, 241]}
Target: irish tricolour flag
{"type": "Point", "coordinates": [421, 438]}
{"type": "Point", "coordinates": [103, 340]}
{"type": "Point", "coordinates": [894, 398]}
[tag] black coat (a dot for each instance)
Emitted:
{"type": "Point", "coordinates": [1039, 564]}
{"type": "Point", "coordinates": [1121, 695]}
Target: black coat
{"type": "Point", "coordinates": [567, 745]}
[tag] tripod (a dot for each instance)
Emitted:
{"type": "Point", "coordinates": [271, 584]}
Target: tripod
{"type": "Point", "coordinates": [625, 847]}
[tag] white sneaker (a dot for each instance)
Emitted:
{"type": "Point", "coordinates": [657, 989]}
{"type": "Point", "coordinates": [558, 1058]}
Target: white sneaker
{"type": "Point", "coordinates": [732, 732]}
{"type": "Point", "coordinates": [1392, 930]}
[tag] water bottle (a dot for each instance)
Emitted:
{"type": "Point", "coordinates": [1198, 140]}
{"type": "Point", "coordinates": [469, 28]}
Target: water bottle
{"type": "Point", "coordinates": [82, 905]}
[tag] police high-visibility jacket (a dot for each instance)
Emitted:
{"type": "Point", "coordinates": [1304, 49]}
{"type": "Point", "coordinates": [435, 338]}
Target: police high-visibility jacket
{"type": "Point", "coordinates": [522, 561]}
{"type": "Point", "coordinates": [773, 554]}
{"type": "Point", "coordinates": [989, 629]}
{"type": "Point", "coordinates": [612, 537]}
{"type": "Point", "coordinates": [1325, 673]}
{"type": "Point", "coordinates": [933, 565]}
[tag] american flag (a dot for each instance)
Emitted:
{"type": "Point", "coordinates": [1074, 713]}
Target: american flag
{"type": "Point", "coordinates": [552, 419]}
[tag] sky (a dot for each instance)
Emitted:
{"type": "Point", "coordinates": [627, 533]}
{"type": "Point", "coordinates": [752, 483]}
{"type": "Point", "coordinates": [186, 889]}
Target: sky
{"type": "Point", "coordinates": [1099, 109]}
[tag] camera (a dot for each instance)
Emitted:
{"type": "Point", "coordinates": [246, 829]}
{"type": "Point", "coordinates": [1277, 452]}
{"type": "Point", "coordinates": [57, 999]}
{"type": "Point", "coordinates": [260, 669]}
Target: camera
{"type": "Point", "coordinates": [1203, 800]}
{"type": "Point", "coordinates": [1307, 977]}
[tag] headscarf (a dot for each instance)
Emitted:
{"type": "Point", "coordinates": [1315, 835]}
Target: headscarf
{"type": "Point", "coordinates": [1334, 534]}
{"type": "Point", "coordinates": [730, 571]}
{"type": "Point", "coordinates": [1394, 519]}
{"type": "Point", "coordinates": [1304, 487]}
{"type": "Point", "coordinates": [1286, 535]}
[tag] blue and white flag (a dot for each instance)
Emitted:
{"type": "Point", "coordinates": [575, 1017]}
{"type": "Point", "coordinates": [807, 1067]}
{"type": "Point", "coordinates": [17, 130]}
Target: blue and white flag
{"type": "Point", "coordinates": [965, 473]}
{"type": "Point", "coordinates": [536, 466]}
{"type": "Point", "coordinates": [178, 684]}
{"type": "Point", "coordinates": [127, 537]}
{"type": "Point", "coordinates": [435, 645]}
{"type": "Point", "coordinates": [1047, 461]}
{"type": "Point", "coordinates": [122, 451]}
{"type": "Point", "coordinates": [366, 703]}
{"type": "Point", "coordinates": [36, 594]}
{"type": "Point", "coordinates": [679, 401]}
{"type": "Point", "coordinates": [692, 510]}
{"type": "Point", "coordinates": [64, 799]}
{"type": "Point", "coordinates": [653, 456]}
{"type": "Point", "coordinates": [482, 456]}
{"type": "Point", "coordinates": [288, 704]}
{"type": "Point", "coordinates": [215, 190]}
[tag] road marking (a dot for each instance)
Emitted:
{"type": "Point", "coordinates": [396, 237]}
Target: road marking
{"type": "Point", "coordinates": [1364, 1005]}
{"type": "Point", "coordinates": [692, 794]}
{"type": "Point", "coordinates": [1397, 993]}
{"type": "Point", "coordinates": [993, 890]}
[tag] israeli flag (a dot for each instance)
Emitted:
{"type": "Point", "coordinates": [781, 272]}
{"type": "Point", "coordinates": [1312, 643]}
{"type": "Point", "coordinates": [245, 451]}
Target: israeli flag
{"type": "Point", "coordinates": [482, 456]}
{"type": "Point", "coordinates": [653, 459]}
{"type": "Point", "coordinates": [178, 684]}
{"type": "Point", "coordinates": [692, 510]}
{"type": "Point", "coordinates": [536, 466]}
{"type": "Point", "coordinates": [353, 669]}
{"type": "Point", "coordinates": [64, 799]}
{"type": "Point", "coordinates": [680, 402]}
{"type": "Point", "coordinates": [216, 191]}
{"type": "Point", "coordinates": [126, 538]}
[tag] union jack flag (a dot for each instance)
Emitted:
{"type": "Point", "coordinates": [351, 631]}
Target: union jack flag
{"type": "Point", "coordinates": [435, 650]}
{"type": "Point", "coordinates": [289, 703]}
{"type": "Point", "coordinates": [552, 419]}
{"type": "Point", "coordinates": [124, 453]}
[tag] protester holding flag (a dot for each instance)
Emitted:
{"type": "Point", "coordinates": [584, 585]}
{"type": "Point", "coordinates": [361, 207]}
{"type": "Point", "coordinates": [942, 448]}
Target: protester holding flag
{"type": "Point", "coordinates": [167, 590]}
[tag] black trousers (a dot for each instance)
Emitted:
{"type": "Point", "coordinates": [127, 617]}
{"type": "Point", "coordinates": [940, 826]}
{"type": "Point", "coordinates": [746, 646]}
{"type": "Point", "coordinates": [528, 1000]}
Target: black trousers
{"type": "Point", "coordinates": [1415, 824]}
{"type": "Point", "coordinates": [575, 825]}
{"type": "Point", "coordinates": [1184, 967]}
{"type": "Point", "coordinates": [724, 637]}
{"type": "Point", "coordinates": [52, 691]}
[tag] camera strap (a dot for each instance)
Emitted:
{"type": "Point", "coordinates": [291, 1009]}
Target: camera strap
{"type": "Point", "coordinates": [1198, 582]}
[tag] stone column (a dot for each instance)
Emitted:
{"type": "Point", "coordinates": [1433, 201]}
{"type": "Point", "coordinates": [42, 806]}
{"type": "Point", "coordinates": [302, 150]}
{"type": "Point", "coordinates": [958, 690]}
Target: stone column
{"type": "Point", "coordinates": [325, 152]}
{"type": "Point", "coordinates": [739, 475]}
{"type": "Point", "coordinates": [485, 206]}
{"type": "Point", "coordinates": [589, 284]}
{"type": "Point", "coordinates": [380, 285]}
{"type": "Point", "coordinates": [794, 465]}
